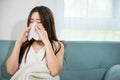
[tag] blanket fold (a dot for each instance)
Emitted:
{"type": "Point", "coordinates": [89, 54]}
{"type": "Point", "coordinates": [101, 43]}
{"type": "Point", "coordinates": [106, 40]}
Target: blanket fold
{"type": "Point", "coordinates": [33, 71]}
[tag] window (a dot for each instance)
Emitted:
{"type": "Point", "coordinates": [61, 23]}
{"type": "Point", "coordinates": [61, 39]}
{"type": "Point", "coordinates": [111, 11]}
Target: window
{"type": "Point", "coordinates": [88, 8]}
{"type": "Point", "coordinates": [99, 8]}
{"type": "Point", "coordinates": [92, 20]}
{"type": "Point", "coordinates": [75, 8]}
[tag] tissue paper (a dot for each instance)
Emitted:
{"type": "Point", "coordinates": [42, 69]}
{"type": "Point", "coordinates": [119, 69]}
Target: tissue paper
{"type": "Point", "coordinates": [33, 34]}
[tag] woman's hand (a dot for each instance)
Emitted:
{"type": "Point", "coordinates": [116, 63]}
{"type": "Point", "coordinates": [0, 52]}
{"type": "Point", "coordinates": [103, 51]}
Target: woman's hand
{"type": "Point", "coordinates": [24, 35]}
{"type": "Point", "coordinates": [42, 33]}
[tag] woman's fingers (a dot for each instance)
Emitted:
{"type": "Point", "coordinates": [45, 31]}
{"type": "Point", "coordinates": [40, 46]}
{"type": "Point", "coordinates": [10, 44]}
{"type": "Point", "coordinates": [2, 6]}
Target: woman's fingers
{"type": "Point", "coordinates": [26, 32]}
{"type": "Point", "coordinates": [40, 26]}
{"type": "Point", "coordinates": [42, 33]}
{"type": "Point", "coordinates": [24, 35]}
{"type": "Point", "coordinates": [28, 29]}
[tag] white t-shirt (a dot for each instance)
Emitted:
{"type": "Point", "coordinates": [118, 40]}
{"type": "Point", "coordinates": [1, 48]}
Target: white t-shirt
{"type": "Point", "coordinates": [32, 57]}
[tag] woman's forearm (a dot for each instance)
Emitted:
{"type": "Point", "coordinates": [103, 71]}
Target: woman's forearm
{"type": "Point", "coordinates": [12, 62]}
{"type": "Point", "coordinates": [52, 61]}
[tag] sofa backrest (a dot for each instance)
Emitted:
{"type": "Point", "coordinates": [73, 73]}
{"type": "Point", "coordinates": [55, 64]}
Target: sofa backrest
{"type": "Point", "coordinates": [6, 47]}
{"type": "Point", "coordinates": [84, 60]}
{"type": "Point", "coordinates": [89, 60]}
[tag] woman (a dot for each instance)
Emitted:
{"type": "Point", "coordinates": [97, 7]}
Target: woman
{"type": "Point", "coordinates": [52, 48]}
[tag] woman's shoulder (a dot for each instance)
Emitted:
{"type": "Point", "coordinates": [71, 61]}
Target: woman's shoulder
{"type": "Point", "coordinates": [59, 45]}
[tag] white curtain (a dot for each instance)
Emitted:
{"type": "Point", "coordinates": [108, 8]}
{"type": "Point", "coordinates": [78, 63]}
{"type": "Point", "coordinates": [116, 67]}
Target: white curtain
{"type": "Point", "coordinates": [91, 20]}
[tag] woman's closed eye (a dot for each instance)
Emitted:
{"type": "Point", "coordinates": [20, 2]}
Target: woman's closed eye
{"type": "Point", "coordinates": [39, 22]}
{"type": "Point", "coordinates": [31, 21]}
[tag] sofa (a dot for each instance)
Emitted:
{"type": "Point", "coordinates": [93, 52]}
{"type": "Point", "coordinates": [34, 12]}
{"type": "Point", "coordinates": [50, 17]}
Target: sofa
{"type": "Point", "coordinates": [84, 60]}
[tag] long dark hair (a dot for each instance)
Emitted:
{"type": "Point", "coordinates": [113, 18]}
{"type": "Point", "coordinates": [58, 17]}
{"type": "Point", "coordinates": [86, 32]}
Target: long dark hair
{"type": "Point", "coordinates": [48, 23]}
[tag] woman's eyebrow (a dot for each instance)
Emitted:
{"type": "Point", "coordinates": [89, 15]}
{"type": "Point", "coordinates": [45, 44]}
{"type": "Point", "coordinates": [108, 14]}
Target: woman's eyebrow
{"type": "Point", "coordinates": [31, 19]}
{"type": "Point", "coordinates": [37, 19]}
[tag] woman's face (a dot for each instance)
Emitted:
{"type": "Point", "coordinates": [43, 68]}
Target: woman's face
{"type": "Point", "coordinates": [35, 18]}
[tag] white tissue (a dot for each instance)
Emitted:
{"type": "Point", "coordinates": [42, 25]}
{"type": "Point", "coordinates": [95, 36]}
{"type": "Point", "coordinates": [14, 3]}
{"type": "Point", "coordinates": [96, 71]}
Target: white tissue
{"type": "Point", "coordinates": [33, 34]}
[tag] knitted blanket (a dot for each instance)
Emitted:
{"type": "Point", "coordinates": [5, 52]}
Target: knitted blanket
{"type": "Point", "coordinates": [33, 71]}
